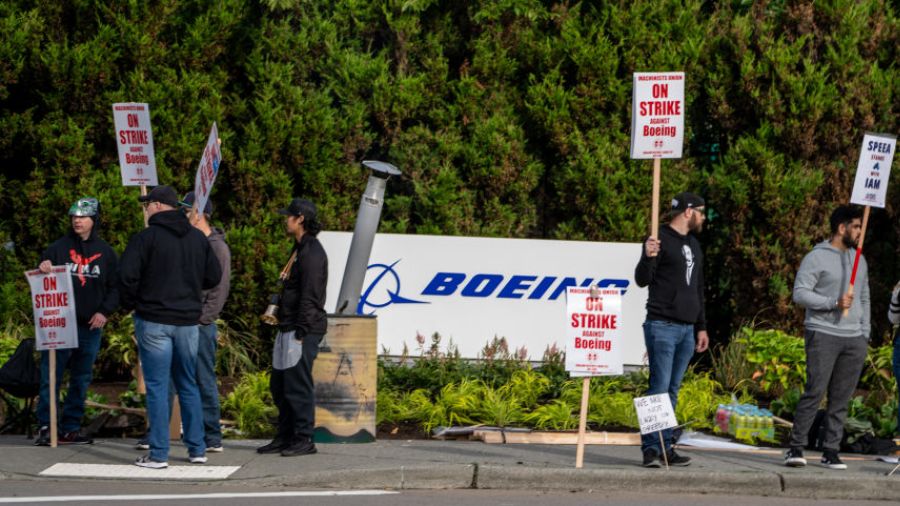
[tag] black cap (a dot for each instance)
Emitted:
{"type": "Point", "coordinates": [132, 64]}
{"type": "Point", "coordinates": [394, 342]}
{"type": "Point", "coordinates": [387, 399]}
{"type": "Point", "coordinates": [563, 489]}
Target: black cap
{"type": "Point", "coordinates": [163, 194]}
{"type": "Point", "coordinates": [687, 200]}
{"type": "Point", "coordinates": [188, 201]}
{"type": "Point", "coordinates": [300, 207]}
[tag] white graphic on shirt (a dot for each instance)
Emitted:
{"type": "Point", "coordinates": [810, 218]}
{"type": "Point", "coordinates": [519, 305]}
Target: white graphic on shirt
{"type": "Point", "coordinates": [688, 262]}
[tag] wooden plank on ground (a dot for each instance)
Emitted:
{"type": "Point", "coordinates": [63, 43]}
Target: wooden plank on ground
{"type": "Point", "coordinates": [558, 438]}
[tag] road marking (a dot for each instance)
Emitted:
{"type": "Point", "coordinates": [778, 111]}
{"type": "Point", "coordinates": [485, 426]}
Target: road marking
{"type": "Point", "coordinates": [131, 471]}
{"type": "Point", "coordinates": [171, 497]}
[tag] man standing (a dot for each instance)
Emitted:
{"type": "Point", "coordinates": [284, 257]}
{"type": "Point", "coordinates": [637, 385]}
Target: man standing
{"type": "Point", "coordinates": [301, 326]}
{"type": "Point", "coordinates": [213, 302]}
{"type": "Point", "coordinates": [672, 266]}
{"type": "Point", "coordinates": [92, 263]}
{"type": "Point", "coordinates": [164, 270]}
{"type": "Point", "coordinates": [836, 344]}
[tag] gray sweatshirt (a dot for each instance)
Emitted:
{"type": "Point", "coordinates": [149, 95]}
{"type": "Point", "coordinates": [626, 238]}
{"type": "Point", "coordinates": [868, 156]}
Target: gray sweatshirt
{"type": "Point", "coordinates": [214, 298]}
{"type": "Point", "coordinates": [823, 278]}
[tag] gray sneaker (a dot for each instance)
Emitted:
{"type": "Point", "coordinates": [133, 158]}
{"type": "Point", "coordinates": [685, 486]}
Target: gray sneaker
{"type": "Point", "coordinates": [146, 461]}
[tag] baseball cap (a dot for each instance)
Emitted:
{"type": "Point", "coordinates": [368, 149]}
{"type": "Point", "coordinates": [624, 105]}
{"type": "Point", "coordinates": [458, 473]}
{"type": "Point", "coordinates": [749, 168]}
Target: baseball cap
{"type": "Point", "coordinates": [163, 194]}
{"type": "Point", "coordinates": [300, 207]}
{"type": "Point", "coordinates": [188, 201]}
{"type": "Point", "coordinates": [85, 206]}
{"type": "Point", "coordinates": [687, 200]}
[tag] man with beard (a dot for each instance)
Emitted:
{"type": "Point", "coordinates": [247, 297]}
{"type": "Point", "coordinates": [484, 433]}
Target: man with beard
{"type": "Point", "coordinates": [672, 266]}
{"type": "Point", "coordinates": [835, 344]}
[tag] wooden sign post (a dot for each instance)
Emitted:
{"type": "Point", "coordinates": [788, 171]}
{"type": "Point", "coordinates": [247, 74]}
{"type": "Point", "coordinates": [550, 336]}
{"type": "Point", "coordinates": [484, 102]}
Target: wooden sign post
{"type": "Point", "coordinates": [593, 344]}
{"type": "Point", "coordinates": [870, 186]}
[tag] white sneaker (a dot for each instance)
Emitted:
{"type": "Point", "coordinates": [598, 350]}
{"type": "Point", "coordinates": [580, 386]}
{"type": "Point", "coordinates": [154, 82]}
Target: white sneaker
{"type": "Point", "coordinates": [197, 459]}
{"type": "Point", "coordinates": [215, 449]}
{"type": "Point", "coordinates": [146, 461]}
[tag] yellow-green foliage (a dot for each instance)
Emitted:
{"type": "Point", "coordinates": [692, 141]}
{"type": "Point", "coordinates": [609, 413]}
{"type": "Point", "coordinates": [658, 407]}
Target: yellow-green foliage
{"type": "Point", "coordinates": [250, 405]}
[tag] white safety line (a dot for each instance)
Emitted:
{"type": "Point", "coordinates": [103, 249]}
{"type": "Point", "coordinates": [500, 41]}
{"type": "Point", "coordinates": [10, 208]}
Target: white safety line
{"type": "Point", "coordinates": [193, 472]}
{"type": "Point", "coordinates": [171, 497]}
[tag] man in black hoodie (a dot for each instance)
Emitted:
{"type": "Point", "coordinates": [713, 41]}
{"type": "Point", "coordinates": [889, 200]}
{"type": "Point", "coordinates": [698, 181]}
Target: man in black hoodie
{"type": "Point", "coordinates": [672, 266]}
{"type": "Point", "coordinates": [164, 270]}
{"type": "Point", "coordinates": [301, 326]}
{"type": "Point", "coordinates": [92, 263]}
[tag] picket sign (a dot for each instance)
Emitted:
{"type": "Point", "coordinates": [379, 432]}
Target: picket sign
{"type": "Point", "coordinates": [657, 125]}
{"type": "Point", "coordinates": [55, 324]}
{"type": "Point", "coordinates": [870, 186]}
{"type": "Point", "coordinates": [593, 343]}
{"type": "Point", "coordinates": [655, 414]}
{"type": "Point", "coordinates": [134, 139]}
{"type": "Point", "coordinates": [207, 170]}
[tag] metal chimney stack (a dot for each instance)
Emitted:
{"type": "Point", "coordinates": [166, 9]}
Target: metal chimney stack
{"type": "Point", "coordinates": [364, 235]}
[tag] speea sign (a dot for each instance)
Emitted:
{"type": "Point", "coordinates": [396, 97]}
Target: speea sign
{"type": "Point", "coordinates": [470, 289]}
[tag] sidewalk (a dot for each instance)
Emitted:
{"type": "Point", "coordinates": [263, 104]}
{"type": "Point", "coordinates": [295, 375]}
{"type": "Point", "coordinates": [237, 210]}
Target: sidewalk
{"type": "Point", "coordinates": [421, 464]}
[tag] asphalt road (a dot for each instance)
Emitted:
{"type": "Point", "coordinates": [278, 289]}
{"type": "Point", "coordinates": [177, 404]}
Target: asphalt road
{"type": "Point", "coordinates": [101, 492]}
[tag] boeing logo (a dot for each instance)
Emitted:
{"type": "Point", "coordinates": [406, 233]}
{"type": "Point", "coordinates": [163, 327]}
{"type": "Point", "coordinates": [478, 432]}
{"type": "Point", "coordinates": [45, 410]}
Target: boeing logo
{"type": "Point", "coordinates": [384, 289]}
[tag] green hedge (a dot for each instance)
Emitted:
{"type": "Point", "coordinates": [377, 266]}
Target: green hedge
{"type": "Point", "coordinates": [508, 118]}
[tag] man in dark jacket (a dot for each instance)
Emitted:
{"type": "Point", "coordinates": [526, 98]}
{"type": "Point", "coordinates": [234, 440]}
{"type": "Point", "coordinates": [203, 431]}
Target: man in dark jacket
{"type": "Point", "coordinates": [164, 270]}
{"type": "Point", "coordinates": [301, 326]}
{"type": "Point", "coordinates": [672, 266]}
{"type": "Point", "coordinates": [92, 263]}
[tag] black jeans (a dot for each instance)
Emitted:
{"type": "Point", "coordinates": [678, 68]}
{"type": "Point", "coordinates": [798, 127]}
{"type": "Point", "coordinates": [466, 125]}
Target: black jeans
{"type": "Point", "coordinates": [295, 394]}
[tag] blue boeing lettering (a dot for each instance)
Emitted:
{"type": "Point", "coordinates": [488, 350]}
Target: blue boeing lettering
{"type": "Point", "coordinates": [516, 287]}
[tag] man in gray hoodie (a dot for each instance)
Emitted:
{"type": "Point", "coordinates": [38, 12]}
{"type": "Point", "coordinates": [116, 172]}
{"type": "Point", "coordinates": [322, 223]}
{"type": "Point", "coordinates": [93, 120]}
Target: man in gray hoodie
{"type": "Point", "coordinates": [836, 343]}
{"type": "Point", "coordinates": [213, 302]}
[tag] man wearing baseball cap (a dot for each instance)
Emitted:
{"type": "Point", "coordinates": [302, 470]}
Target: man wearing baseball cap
{"type": "Point", "coordinates": [164, 270]}
{"type": "Point", "coordinates": [93, 266]}
{"type": "Point", "coordinates": [672, 266]}
{"type": "Point", "coordinates": [301, 326]}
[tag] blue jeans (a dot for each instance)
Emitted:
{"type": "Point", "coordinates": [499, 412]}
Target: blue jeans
{"type": "Point", "coordinates": [897, 378]}
{"type": "Point", "coordinates": [670, 347]}
{"type": "Point", "coordinates": [206, 381]}
{"type": "Point", "coordinates": [80, 363]}
{"type": "Point", "coordinates": [170, 351]}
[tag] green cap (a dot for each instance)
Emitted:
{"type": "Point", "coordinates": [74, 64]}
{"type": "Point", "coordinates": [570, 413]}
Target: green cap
{"type": "Point", "coordinates": [85, 206]}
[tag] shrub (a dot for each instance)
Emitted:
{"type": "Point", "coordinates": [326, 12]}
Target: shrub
{"type": "Point", "coordinates": [250, 404]}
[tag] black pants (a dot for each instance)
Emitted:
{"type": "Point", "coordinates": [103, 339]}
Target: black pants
{"type": "Point", "coordinates": [295, 394]}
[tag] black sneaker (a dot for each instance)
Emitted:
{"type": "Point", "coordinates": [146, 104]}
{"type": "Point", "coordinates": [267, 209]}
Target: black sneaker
{"type": "Point", "coordinates": [831, 460]}
{"type": "Point", "coordinates": [275, 446]}
{"type": "Point", "coordinates": [75, 438]}
{"type": "Point", "coordinates": [794, 457]}
{"type": "Point", "coordinates": [677, 460]}
{"type": "Point", "coordinates": [43, 437]}
{"type": "Point", "coordinates": [302, 447]}
{"type": "Point", "coordinates": [651, 459]}
{"type": "Point", "coordinates": [142, 443]}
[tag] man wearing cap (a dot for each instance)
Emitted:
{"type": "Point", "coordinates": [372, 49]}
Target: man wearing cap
{"type": "Point", "coordinates": [213, 302]}
{"type": "Point", "coordinates": [836, 344]}
{"type": "Point", "coordinates": [301, 326]}
{"type": "Point", "coordinates": [672, 266]}
{"type": "Point", "coordinates": [92, 264]}
{"type": "Point", "coordinates": [164, 270]}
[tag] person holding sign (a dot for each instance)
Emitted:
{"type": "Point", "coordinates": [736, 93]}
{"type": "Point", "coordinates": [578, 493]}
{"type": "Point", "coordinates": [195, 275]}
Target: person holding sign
{"type": "Point", "coordinates": [165, 269]}
{"type": "Point", "coordinates": [93, 267]}
{"type": "Point", "coordinates": [836, 345]}
{"type": "Point", "coordinates": [672, 268]}
{"type": "Point", "coordinates": [301, 326]}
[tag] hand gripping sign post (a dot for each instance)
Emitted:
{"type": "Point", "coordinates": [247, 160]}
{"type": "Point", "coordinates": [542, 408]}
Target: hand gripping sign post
{"type": "Point", "coordinates": [55, 327]}
{"type": "Point", "coordinates": [208, 170]}
{"type": "Point", "coordinates": [655, 413]}
{"type": "Point", "coordinates": [657, 124]}
{"type": "Point", "coordinates": [593, 343]}
{"type": "Point", "coordinates": [870, 187]}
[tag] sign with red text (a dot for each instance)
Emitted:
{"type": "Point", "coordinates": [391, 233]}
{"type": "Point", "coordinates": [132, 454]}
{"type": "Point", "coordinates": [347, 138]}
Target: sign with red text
{"type": "Point", "coordinates": [593, 340]}
{"type": "Point", "coordinates": [657, 115]}
{"type": "Point", "coordinates": [873, 169]}
{"type": "Point", "coordinates": [134, 137]}
{"type": "Point", "coordinates": [55, 327]}
{"type": "Point", "coordinates": [655, 413]}
{"type": "Point", "coordinates": [208, 169]}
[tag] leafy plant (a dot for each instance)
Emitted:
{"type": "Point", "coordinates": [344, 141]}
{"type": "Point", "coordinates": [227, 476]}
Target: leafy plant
{"type": "Point", "coordinates": [878, 376]}
{"type": "Point", "coordinates": [698, 399]}
{"type": "Point", "coordinates": [555, 415]}
{"type": "Point", "coordinates": [779, 359]}
{"type": "Point", "coordinates": [250, 404]}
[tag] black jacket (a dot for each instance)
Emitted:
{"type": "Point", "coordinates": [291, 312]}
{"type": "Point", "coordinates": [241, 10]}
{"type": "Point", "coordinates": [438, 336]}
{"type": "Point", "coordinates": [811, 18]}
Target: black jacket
{"type": "Point", "coordinates": [302, 306]}
{"type": "Point", "coordinates": [165, 269]}
{"type": "Point", "coordinates": [94, 269]}
{"type": "Point", "coordinates": [675, 277]}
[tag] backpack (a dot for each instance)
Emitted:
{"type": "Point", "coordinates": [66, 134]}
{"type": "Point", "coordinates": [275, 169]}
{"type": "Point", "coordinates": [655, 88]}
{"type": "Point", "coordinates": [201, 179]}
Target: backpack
{"type": "Point", "coordinates": [20, 375]}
